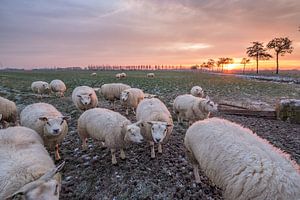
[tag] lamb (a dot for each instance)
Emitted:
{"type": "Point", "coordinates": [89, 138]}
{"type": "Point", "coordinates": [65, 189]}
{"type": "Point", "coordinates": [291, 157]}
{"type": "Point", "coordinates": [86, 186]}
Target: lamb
{"type": "Point", "coordinates": [58, 87]}
{"type": "Point", "coordinates": [84, 98]}
{"type": "Point", "coordinates": [48, 122]}
{"type": "Point", "coordinates": [197, 91]}
{"type": "Point", "coordinates": [241, 163]}
{"type": "Point", "coordinates": [157, 123]}
{"type": "Point", "coordinates": [8, 112]}
{"type": "Point", "coordinates": [26, 168]}
{"type": "Point", "coordinates": [40, 87]}
{"type": "Point", "coordinates": [112, 91]}
{"type": "Point", "coordinates": [190, 108]}
{"type": "Point", "coordinates": [150, 75]}
{"type": "Point", "coordinates": [130, 98]}
{"type": "Point", "coordinates": [110, 127]}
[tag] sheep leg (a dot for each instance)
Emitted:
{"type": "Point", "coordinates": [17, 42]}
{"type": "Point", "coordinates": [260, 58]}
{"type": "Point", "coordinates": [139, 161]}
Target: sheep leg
{"type": "Point", "coordinates": [196, 173]}
{"type": "Point", "coordinates": [57, 156]}
{"type": "Point", "coordinates": [127, 111]}
{"type": "Point", "coordinates": [159, 148]}
{"type": "Point", "coordinates": [113, 156]}
{"type": "Point", "coordinates": [133, 110]}
{"type": "Point", "coordinates": [152, 149]}
{"type": "Point", "coordinates": [122, 154]}
{"type": "Point", "coordinates": [84, 145]}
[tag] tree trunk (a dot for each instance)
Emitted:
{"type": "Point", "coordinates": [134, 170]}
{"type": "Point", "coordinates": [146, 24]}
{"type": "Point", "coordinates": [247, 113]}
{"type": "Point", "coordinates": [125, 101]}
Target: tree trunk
{"type": "Point", "coordinates": [257, 64]}
{"type": "Point", "coordinates": [277, 65]}
{"type": "Point", "coordinates": [222, 68]}
{"type": "Point", "coordinates": [244, 68]}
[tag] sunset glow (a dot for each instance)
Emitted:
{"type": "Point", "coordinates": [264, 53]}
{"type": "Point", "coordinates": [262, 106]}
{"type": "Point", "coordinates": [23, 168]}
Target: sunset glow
{"type": "Point", "coordinates": [139, 32]}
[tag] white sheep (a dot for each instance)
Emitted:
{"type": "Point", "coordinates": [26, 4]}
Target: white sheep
{"type": "Point", "coordinates": [112, 91]}
{"type": "Point", "coordinates": [197, 91]}
{"type": "Point", "coordinates": [58, 87]}
{"type": "Point", "coordinates": [40, 87]}
{"type": "Point", "coordinates": [26, 169]}
{"type": "Point", "coordinates": [150, 75]}
{"type": "Point", "coordinates": [191, 108]}
{"type": "Point", "coordinates": [157, 123]}
{"type": "Point", "coordinates": [242, 164]}
{"type": "Point", "coordinates": [131, 98]}
{"type": "Point", "coordinates": [123, 75]}
{"type": "Point", "coordinates": [118, 75]}
{"type": "Point", "coordinates": [94, 74]}
{"type": "Point", "coordinates": [84, 98]}
{"type": "Point", "coordinates": [46, 121]}
{"type": "Point", "coordinates": [110, 127]}
{"type": "Point", "coordinates": [8, 112]}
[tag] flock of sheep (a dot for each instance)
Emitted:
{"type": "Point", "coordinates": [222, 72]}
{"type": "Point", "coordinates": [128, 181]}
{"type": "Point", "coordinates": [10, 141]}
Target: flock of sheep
{"type": "Point", "coordinates": [234, 158]}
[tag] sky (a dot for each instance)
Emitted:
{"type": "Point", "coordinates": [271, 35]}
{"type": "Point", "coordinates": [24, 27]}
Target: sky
{"type": "Point", "coordinates": [49, 33]}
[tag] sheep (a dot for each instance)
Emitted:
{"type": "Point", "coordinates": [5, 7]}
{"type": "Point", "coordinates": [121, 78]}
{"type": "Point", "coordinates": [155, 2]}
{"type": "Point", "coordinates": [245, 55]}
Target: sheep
{"type": "Point", "coordinates": [190, 108]}
{"type": "Point", "coordinates": [123, 75]}
{"type": "Point", "coordinates": [40, 87]}
{"type": "Point", "coordinates": [118, 75]}
{"type": "Point", "coordinates": [84, 98]}
{"type": "Point", "coordinates": [157, 123]}
{"type": "Point", "coordinates": [150, 75]}
{"type": "Point", "coordinates": [26, 169]}
{"type": "Point", "coordinates": [93, 74]}
{"type": "Point", "coordinates": [58, 87]}
{"type": "Point", "coordinates": [244, 165]}
{"type": "Point", "coordinates": [8, 112]}
{"type": "Point", "coordinates": [112, 91]}
{"type": "Point", "coordinates": [197, 91]}
{"type": "Point", "coordinates": [46, 121]}
{"type": "Point", "coordinates": [130, 98]}
{"type": "Point", "coordinates": [110, 127]}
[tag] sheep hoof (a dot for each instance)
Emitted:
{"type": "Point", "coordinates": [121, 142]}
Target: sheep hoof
{"type": "Point", "coordinates": [114, 162]}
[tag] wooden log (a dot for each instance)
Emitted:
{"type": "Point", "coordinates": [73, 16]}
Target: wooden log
{"type": "Point", "coordinates": [253, 113]}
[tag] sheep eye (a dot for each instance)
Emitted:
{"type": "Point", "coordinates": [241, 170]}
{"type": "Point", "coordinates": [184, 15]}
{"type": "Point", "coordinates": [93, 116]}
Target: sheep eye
{"type": "Point", "coordinates": [48, 123]}
{"type": "Point", "coordinates": [61, 122]}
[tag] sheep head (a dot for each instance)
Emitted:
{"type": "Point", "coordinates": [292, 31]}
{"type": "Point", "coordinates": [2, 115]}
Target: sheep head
{"type": "Point", "coordinates": [124, 96]}
{"type": "Point", "coordinates": [159, 130]}
{"type": "Point", "coordinates": [85, 99]}
{"type": "Point", "coordinates": [53, 126]}
{"type": "Point", "coordinates": [133, 132]}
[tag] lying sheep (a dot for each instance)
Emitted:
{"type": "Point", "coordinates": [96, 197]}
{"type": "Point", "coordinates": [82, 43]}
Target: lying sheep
{"type": "Point", "coordinates": [8, 112]}
{"type": "Point", "coordinates": [157, 123]}
{"type": "Point", "coordinates": [150, 75]}
{"type": "Point", "coordinates": [131, 98]}
{"type": "Point", "coordinates": [40, 87]}
{"type": "Point", "coordinates": [190, 108]}
{"type": "Point", "coordinates": [84, 98]}
{"type": "Point", "coordinates": [242, 164]}
{"type": "Point", "coordinates": [110, 127]}
{"type": "Point", "coordinates": [94, 74]}
{"type": "Point", "coordinates": [58, 87]}
{"type": "Point", "coordinates": [123, 75]}
{"type": "Point", "coordinates": [118, 75]}
{"type": "Point", "coordinates": [112, 91]}
{"type": "Point", "coordinates": [46, 121]}
{"type": "Point", "coordinates": [26, 168]}
{"type": "Point", "coordinates": [197, 91]}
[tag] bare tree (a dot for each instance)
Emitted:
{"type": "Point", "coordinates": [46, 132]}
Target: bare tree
{"type": "Point", "coordinates": [210, 64]}
{"type": "Point", "coordinates": [281, 46]}
{"type": "Point", "coordinates": [245, 61]}
{"type": "Point", "coordinates": [259, 52]}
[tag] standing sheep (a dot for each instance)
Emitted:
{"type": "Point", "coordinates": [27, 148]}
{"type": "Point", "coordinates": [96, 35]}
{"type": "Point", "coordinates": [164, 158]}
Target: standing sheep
{"type": "Point", "coordinates": [115, 130]}
{"type": "Point", "coordinates": [58, 87]}
{"type": "Point", "coordinates": [150, 75]}
{"type": "Point", "coordinates": [46, 121]}
{"type": "Point", "coordinates": [193, 108]}
{"type": "Point", "coordinates": [112, 91]}
{"type": "Point", "coordinates": [8, 112]}
{"type": "Point", "coordinates": [157, 123]}
{"type": "Point", "coordinates": [40, 87]}
{"type": "Point", "coordinates": [241, 163]}
{"type": "Point", "coordinates": [131, 98]}
{"type": "Point", "coordinates": [84, 98]}
{"type": "Point", "coordinates": [197, 91]}
{"type": "Point", "coordinates": [26, 169]}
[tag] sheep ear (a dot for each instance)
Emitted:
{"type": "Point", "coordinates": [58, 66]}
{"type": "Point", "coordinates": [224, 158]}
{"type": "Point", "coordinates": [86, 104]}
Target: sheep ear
{"type": "Point", "coordinates": [150, 123]}
{"type": "Point", "coordinates": [17, 193]}
{"type": "Point", "coordinates": [90, 94]}
{"type": "Point", "coordinates": [43, 119]}
{"type": "Point", "coordinates": [66, 118]}
{"type": "Point", "coordinates": [1, 116]}
{"type": "Point", "coordinates": [48, 175]}
{"type": "Point", "coordinates": [207, 97]}
{"type": "Point", "coordinates": [139, 123]}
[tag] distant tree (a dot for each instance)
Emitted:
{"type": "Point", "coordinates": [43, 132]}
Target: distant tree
{"type": "Point", "coordinates": [195, 67]}
{"type": "Point", "coordinates": [203, 65]}
{"type": "Point", "coordinates": [259, 52]}
{"type": "Point", "coordinates": [245, 61]}
{"type": "Point", "coordinates": [228, 61]}
{"type": "Point", "coordinates": [281, 46]}
{"type": "Point", "coordinates": [224, 61]}
{"type": "Point", "coordinates": [211, 63]}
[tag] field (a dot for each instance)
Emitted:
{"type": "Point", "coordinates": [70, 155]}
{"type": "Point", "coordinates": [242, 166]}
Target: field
{"type": "Point", "coordinates": [90, 175]}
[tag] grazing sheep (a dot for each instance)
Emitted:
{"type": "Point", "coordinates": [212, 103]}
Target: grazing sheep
{"type": "Point", "coordinates": [110, 127]}
{"type": "Point", "coordinates": [190, 108]}
{"type": "Point", "coordinates": [58, 87]}
{"type": "Point", "coordinates": [112, 91]}
{"type": "Point", "coordinates": [244, 165]}
{"type": "Point", "coordinates": [157, 123]}
{"type": "Point", "coordinates": [8, 112]}
{"type": "Point", "coordinates": [26, 169]}
{"type": "Point", "coordinates": [94, 74]}
{"type": "Point", "coordinates": [46, 121]}
{"type": "Point", "coordinates": [118, 75]}
{"type": "Point", "coordinates": [84, 98]}
{"type": "Point", "coordinates": [40, 87]}
{"type": "Point", "coordinates": [131, 98]}
{"type": "Point", "coordinates": [150, 75]}
{"type": "Point", "coordinates": [197, 91]}
{"type": "Point", "coordinates": [123, 75]}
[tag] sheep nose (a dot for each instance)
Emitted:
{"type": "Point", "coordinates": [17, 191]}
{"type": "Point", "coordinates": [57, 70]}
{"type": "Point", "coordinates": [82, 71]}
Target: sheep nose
{"type": "Point", "coordinates": [85, 103]}
{"type": "Point", "coordinates": [55, 131]}
{"type": "Point", "coordinates": [157, 140]}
